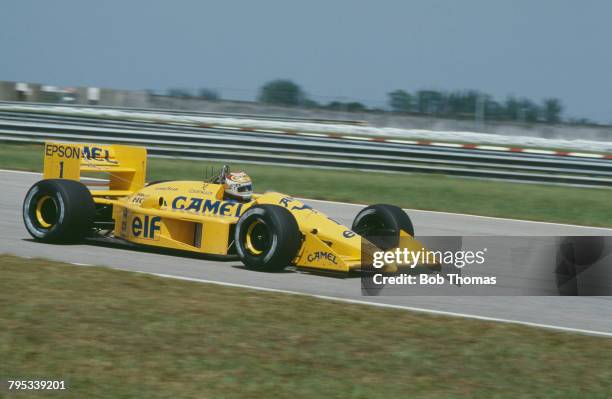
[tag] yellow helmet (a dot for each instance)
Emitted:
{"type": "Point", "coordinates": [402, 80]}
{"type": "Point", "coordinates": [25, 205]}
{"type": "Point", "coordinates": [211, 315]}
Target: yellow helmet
{"type": "Point", "coordinates": [238, 185]}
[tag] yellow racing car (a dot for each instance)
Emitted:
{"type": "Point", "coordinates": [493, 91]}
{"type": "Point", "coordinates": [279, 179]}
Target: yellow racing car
{"type": "Point", "coordinates": [217, 216]}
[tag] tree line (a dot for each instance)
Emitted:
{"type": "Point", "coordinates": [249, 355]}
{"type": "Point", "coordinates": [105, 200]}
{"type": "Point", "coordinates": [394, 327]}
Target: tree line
{"type": "Point", "coordinates": [451, 104]}
{"type": "Point", "coordinates": [472, 103]}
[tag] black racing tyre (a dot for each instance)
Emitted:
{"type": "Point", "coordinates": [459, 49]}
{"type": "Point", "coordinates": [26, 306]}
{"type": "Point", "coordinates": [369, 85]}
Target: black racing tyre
{"type": "Point", "coordinates": [381, 223]}
{"type": "Point", "coordinates": [267, 238]}
{"type": "Point", "coordinates": [58, 210]}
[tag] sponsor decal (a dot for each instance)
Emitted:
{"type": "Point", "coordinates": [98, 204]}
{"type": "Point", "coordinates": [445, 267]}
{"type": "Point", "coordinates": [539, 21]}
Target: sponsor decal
{"type": "Point", "coordinates": [62, 151]}
{"type": "Point", "coordinates": [299, 208]}
{"type": "Point", "coordinates": [321, 255]}
{"type": "Point", "coordinates": [196, 191]}
{"type": "Point", "coordinates": [87, 152]}
{"type": "Point", "coordinates": [124, 219]}
{"type": "Point", "coordinates": [286, 201]}
{"type": "Point", "coordinates": [207, 206]}
{"type": "Point", "coordinates": [97, 154]}
{"type": "Point", "coordinates": [145, 227]}
{"type": "Point", "coordinates": [138, 198]}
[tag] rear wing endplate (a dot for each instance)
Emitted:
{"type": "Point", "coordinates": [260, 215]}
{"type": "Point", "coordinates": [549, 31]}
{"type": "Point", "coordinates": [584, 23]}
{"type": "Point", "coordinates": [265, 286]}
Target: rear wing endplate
{"type": "Point", "coordinates": [125, 165]}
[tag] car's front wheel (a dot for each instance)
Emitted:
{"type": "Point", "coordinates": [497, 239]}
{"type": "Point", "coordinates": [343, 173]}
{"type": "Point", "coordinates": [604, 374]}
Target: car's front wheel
{"type": "Point", "coordinates": [381, 224]}
{"type": "Point", "coordinates": [267, 238]}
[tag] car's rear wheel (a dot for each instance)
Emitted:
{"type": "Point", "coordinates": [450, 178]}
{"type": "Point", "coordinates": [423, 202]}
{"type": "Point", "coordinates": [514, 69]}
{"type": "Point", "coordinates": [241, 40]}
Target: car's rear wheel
{"type": "Point", "coordinates": [267, 238]}
{"type": "Point", "coordinates": [58, 210]}
{"type": "Point", "coordinates": [381, 224]}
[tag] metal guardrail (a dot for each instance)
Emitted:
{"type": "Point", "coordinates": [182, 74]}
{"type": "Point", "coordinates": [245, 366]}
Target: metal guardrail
{"type": "Point", "coordinates": [238, 146]}
{"type": "Point", "coordinates": [197, 113]}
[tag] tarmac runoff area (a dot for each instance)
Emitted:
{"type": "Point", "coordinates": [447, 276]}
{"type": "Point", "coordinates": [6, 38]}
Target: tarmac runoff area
{"type": "Point", "coordinates": [589, 315]}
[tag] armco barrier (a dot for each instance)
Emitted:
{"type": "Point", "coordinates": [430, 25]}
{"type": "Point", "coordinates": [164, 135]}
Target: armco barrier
{"type": "Point", "coordinates": [235, 145]}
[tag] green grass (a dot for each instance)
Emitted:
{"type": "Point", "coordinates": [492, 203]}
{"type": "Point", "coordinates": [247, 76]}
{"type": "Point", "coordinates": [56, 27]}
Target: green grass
{"type": "Point", "coordinates": [21, 157]}
{"type": "Point", "coordinates": [583, 206]}
{"type": "Point", "coordinates": [117, 334]}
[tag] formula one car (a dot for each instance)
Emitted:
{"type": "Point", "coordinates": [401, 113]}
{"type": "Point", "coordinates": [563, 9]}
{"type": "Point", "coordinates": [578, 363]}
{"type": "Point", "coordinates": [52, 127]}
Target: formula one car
{"type": "Point", "coordinates": [218, 216]}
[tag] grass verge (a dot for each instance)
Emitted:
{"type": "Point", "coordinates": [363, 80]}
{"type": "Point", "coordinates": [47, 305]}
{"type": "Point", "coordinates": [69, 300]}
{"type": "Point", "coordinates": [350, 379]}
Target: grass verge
{"type": "Point", "coordinates": [583, 206]}
{"type": "Point", "coordinates": [117, 334]}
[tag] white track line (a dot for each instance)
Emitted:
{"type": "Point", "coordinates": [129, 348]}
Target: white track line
{"type": "Point", "coordinates": [20, 171]}
{"type": "Point", "coordinates": [38, 173]}
{"type": "Point", "coordinates": [384, 305]}
{"type": "Point", "coordinates": [417, 210]}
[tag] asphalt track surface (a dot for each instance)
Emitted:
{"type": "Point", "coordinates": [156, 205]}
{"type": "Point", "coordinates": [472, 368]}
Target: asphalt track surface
{"type": "Point", "coordinates": [592, 315]}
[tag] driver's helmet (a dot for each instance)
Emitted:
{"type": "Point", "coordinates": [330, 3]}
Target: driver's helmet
{"type": "Point", "coordinates": [238, 185]}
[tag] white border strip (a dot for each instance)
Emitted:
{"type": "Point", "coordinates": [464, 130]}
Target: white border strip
{"type": "Point", "coordinates": [384, 305]}
{"type": "Point", "coordinates": [585, 155]}
{"type": "Point", "coordinates": [536, 151]}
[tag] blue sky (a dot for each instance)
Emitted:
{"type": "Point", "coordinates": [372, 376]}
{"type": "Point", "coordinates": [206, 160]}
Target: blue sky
{"type": "Point", "coordinates": [352, 49]}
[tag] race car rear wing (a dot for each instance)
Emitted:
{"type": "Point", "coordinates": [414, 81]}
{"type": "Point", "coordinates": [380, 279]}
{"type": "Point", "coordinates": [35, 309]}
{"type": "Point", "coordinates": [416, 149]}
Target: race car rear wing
{"type": "Point", "coordinates": [125, 166]}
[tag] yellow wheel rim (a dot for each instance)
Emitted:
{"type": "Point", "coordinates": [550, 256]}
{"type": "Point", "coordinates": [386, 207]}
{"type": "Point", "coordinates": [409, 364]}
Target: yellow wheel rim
{"type": "Point", "coordinates": [249, 239]}
{"type": "Point", "coordinates": [40, 214]}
